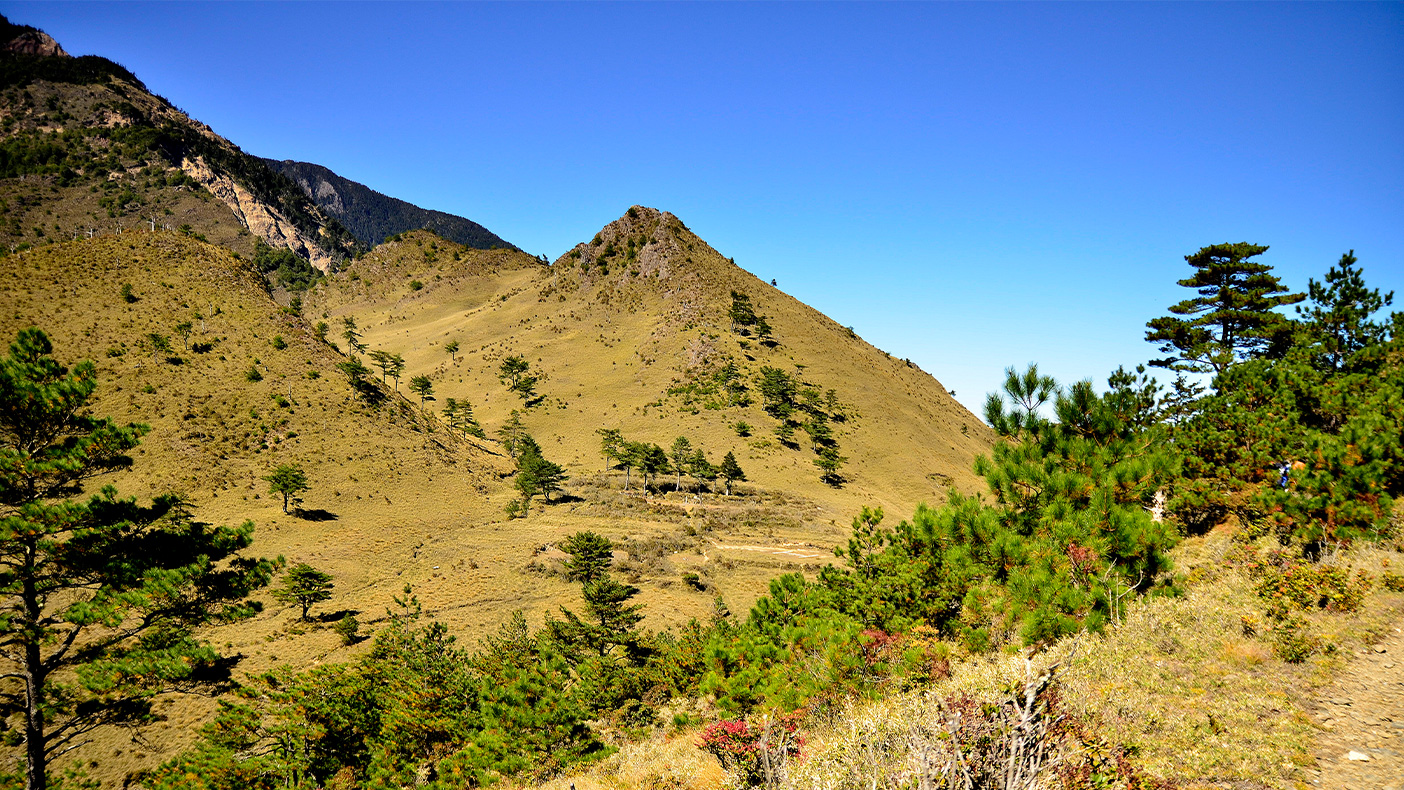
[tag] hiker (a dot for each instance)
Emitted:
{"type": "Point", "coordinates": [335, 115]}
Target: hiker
{"type": "Point", "coordinates": [1285, 468]}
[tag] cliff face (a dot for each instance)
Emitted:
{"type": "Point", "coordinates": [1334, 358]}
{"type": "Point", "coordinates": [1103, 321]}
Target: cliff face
{"type": "Point", "coordinates": [35, 43]}
{"type": "Point", "coordinates": [372, 216]}
{"type": "Point", "coordinates": [131, 137]}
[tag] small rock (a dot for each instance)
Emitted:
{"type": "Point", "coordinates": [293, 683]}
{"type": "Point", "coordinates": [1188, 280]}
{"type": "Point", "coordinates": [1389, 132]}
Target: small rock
{"type": "Point", "coordinates": [1340, 701]}
{"type": "Point", "coordinates": [1358, 756]}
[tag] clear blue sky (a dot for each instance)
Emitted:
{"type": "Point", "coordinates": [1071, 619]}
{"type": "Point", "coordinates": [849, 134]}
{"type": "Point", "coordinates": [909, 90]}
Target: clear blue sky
{"type": "Point", "coordinates": [971, 186]}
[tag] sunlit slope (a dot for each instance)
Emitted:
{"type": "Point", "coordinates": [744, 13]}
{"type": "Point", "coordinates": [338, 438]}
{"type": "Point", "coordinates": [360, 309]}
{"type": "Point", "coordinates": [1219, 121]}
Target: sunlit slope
{"type": "Point", "coordinates": [627, 330]}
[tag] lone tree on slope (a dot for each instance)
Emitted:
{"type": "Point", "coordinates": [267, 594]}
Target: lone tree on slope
{"type": "Point", "coordinates": [304, 586]}
{"type": "Point", "coordinates": [288, 480]}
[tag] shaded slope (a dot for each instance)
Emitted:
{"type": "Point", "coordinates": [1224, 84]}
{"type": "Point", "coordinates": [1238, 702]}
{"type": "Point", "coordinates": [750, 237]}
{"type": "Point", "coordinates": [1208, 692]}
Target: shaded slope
{"type": "Point", "coordinates": [86, 124]}
{"type": "Point", "coordinates": [629, 331]}
{"type": "Point", "coordinates": [372, 216]}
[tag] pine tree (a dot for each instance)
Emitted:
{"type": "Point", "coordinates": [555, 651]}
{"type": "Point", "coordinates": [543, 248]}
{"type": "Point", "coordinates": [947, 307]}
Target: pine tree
{"type": "Point", "coordinates": [452, 348]}
{"type": "Point", "coordinates": [1231, 319]}
{"type": "Point", "coordinates": [590, 556]}
{"type": "Point", "coordinates": [288, 480]}
{"type": "Point", "coordinates": [742, 315]}
{"type": "Point", "coordinates": [653, 462]}
{"type": "Point", "coordinates": [511, 432]}
{"type": "Point", "coordinates": [612, 445]}
{"type": "Point", "coordinates": [98, 599]}
{"type": "Point", "coordinates": [423, 387]}
{"type": "Point", "coordinates": [184, 329]}
{"type": "Point", "coordinates": [352, 335]}
{"type": "Point", "coordinates": [681, 457]}
{"type": "Point", "coordinates": [730, 471]}
{"type": "Point", "coordinates": [700, 468]}
{"type": "Point", "coordinates": [382, 359]}
{"type": "Point", "coordinates": [512, 369]}
{"type": "Point", "coordinates": [829, 462]}
{"type": "Point", "coordinates": [304, 586]}
{"type": "Point", "coordinates": [1340, 311]}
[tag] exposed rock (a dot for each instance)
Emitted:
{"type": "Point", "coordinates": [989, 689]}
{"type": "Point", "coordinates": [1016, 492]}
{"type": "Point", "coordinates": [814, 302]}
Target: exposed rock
{"type": "Point", "coordinates": [1358, 756]}
{"type": "Point", "coordinates": [35, 42]}
{"type": "Point", "coordinates": [260, 218]}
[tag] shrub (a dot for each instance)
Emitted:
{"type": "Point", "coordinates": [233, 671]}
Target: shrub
{"type": "Point", "coordinates": [757, 755]}
{"type": "Point", "coordinates": [127, 295]}
{"type": "Point", "coordinates": [279, 343]}
{"type": "Point", "coordinates": [252, 374]}
{"type": "Point", "coordinates": [416, 285]}
{"type": "Point", "coordinates": [348, 628]}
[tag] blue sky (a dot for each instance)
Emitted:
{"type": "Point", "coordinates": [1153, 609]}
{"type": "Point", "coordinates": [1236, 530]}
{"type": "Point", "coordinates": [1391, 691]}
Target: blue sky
{"type": "Point", "coordinates": [970, 186]}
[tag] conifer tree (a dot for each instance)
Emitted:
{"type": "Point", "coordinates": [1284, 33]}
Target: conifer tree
{"type": "Point", "coordinates": [99, 599]}
{"type": "Point", "coordinates": [184, 328]}
{"type": "Point", "coordinates": [611, 446]}
{"type": "Point", "coordinates": [304, 586]}
{"type": "Point", "coordinates": [1340, 311]}
{"type": "Point", "coordinates": [397, 367]}
{"type": "Point", "coordinates": [730, 471]}
{"type": "Point", "coordinates": [423, 387]}
{"type": "Point", "coordinates": [511, 432]}
{"type": "Point", "coordinates": [590, 556]}
{"type": "Point", "coordinates": [288, 480]}
{"type": "Point", "coordinates": [1231, 319]}
{"type": "Point", "coordinates": [681, 457]}
{"type": "Point", "coordinates": [700, 468]}
{"type": "Point", "coordinates": [829, 462]}
{"type": "Point", "coordinates": [742, 315]}
{"type": "Point", "coordinates": [452, 348]}
{"type": "Point", "coordinates": [352, 335]}
{"type": "Point", "coordinates": [381, 359]}
{"type": "Point", "coordinates": [653, 462]}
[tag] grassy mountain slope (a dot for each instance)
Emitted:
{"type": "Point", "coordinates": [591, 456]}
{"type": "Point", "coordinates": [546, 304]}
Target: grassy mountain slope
{"type": "Point", "coordinates": [395, 497]}
{"type": "Point", "coordinates": [74, 125]}
{"type": "Point", "coordinates": [630, 331]}
{"type": "Point", "coordinates": [372, 216]}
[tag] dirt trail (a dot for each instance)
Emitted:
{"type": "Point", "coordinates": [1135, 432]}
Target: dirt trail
{"type": "Point", "coordinates": [1362, 716]}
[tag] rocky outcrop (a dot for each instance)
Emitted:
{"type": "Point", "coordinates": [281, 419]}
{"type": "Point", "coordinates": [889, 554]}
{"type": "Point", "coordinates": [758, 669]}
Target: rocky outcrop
{"type": "Point", "coordinates": [261, 219]}
{"type": "Point", "coordinates": [35, 42]}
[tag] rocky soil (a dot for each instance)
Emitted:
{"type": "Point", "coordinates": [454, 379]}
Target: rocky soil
{"type": "Point", "coordinates": [1361, 716]}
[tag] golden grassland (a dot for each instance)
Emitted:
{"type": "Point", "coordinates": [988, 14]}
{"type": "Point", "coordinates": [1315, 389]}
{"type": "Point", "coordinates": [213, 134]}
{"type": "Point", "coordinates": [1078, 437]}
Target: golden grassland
{"type": "Point", "coordinates": [396, 498]}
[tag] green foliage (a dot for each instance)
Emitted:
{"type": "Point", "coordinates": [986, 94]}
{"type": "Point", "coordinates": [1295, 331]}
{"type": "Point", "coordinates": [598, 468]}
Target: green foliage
{"type": "Point", "coordinates": [536, 475]}
{"type": "Point", "coordinates": [127, 295]}
{"type": "Point", "coordinates": [284, 267]}
{"type": "Point", "coordinates": [304, 586]}
{"type": "Point", "coordinates": [1339, 317]}
{"type": "Point", "coordinates": [1232, 317]}
{"type": "Point", "coordinates": [288, 480]}
{"type": "Point", "coordinates": [414, 700]}
{"type": "Point", "coordinates": [742, 314]}
{"type": "Point", "coordinates": [423, 387]}
{"type": "Point", "coordinates": [590, 556]}
{"type": "Point", "coordinates": [348, 628]}
{"type": "Point", "coordinates": [730, 471]}
{"type": "Point", "coordinates": [99, 599]}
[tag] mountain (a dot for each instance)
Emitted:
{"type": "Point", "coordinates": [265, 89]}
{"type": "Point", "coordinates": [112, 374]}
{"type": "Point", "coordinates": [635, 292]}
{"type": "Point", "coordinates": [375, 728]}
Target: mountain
{"type": "Point", "coordinates": [128, 234]}
{"type": "Point", "coordinates": [86, 149]}
{"type": "Point", "coordinates": [631, 330]}
{"type": "Point", "coordinates": [372, 216]}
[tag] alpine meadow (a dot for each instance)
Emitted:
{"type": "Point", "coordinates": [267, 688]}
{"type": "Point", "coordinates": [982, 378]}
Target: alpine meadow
{"type": "Point", "coordinates": [304, 486]}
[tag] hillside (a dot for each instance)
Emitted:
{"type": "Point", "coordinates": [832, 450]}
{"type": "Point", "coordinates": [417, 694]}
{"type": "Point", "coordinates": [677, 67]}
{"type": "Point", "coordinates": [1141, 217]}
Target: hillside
{"type": "Point", "coordinates": [86, 149]}
{"type": "Point", "coordinates": [372, 216]}
{"type": "Point", "coordinates": [631, 331]}
{"type": "Point", "coordinates": [397, 498]}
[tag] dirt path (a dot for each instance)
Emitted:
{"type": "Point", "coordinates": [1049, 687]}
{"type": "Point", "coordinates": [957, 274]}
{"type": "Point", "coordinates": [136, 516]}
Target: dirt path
{"type": "Point", "coordinates": [1362, 716]}
{"type": "Point", "coordinates": [801, 551]}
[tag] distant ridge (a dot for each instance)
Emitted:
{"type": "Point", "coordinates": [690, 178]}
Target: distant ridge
{"type": "Point", "coordinates": [372, 216]}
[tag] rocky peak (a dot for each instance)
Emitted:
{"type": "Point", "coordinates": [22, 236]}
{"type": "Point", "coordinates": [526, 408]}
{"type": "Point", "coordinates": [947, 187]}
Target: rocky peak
{"type": "Point", "coordinates": [25, 40]}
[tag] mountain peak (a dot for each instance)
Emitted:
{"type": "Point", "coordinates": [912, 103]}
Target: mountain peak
{"type": "Point", "coordinates": [26, 40]}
